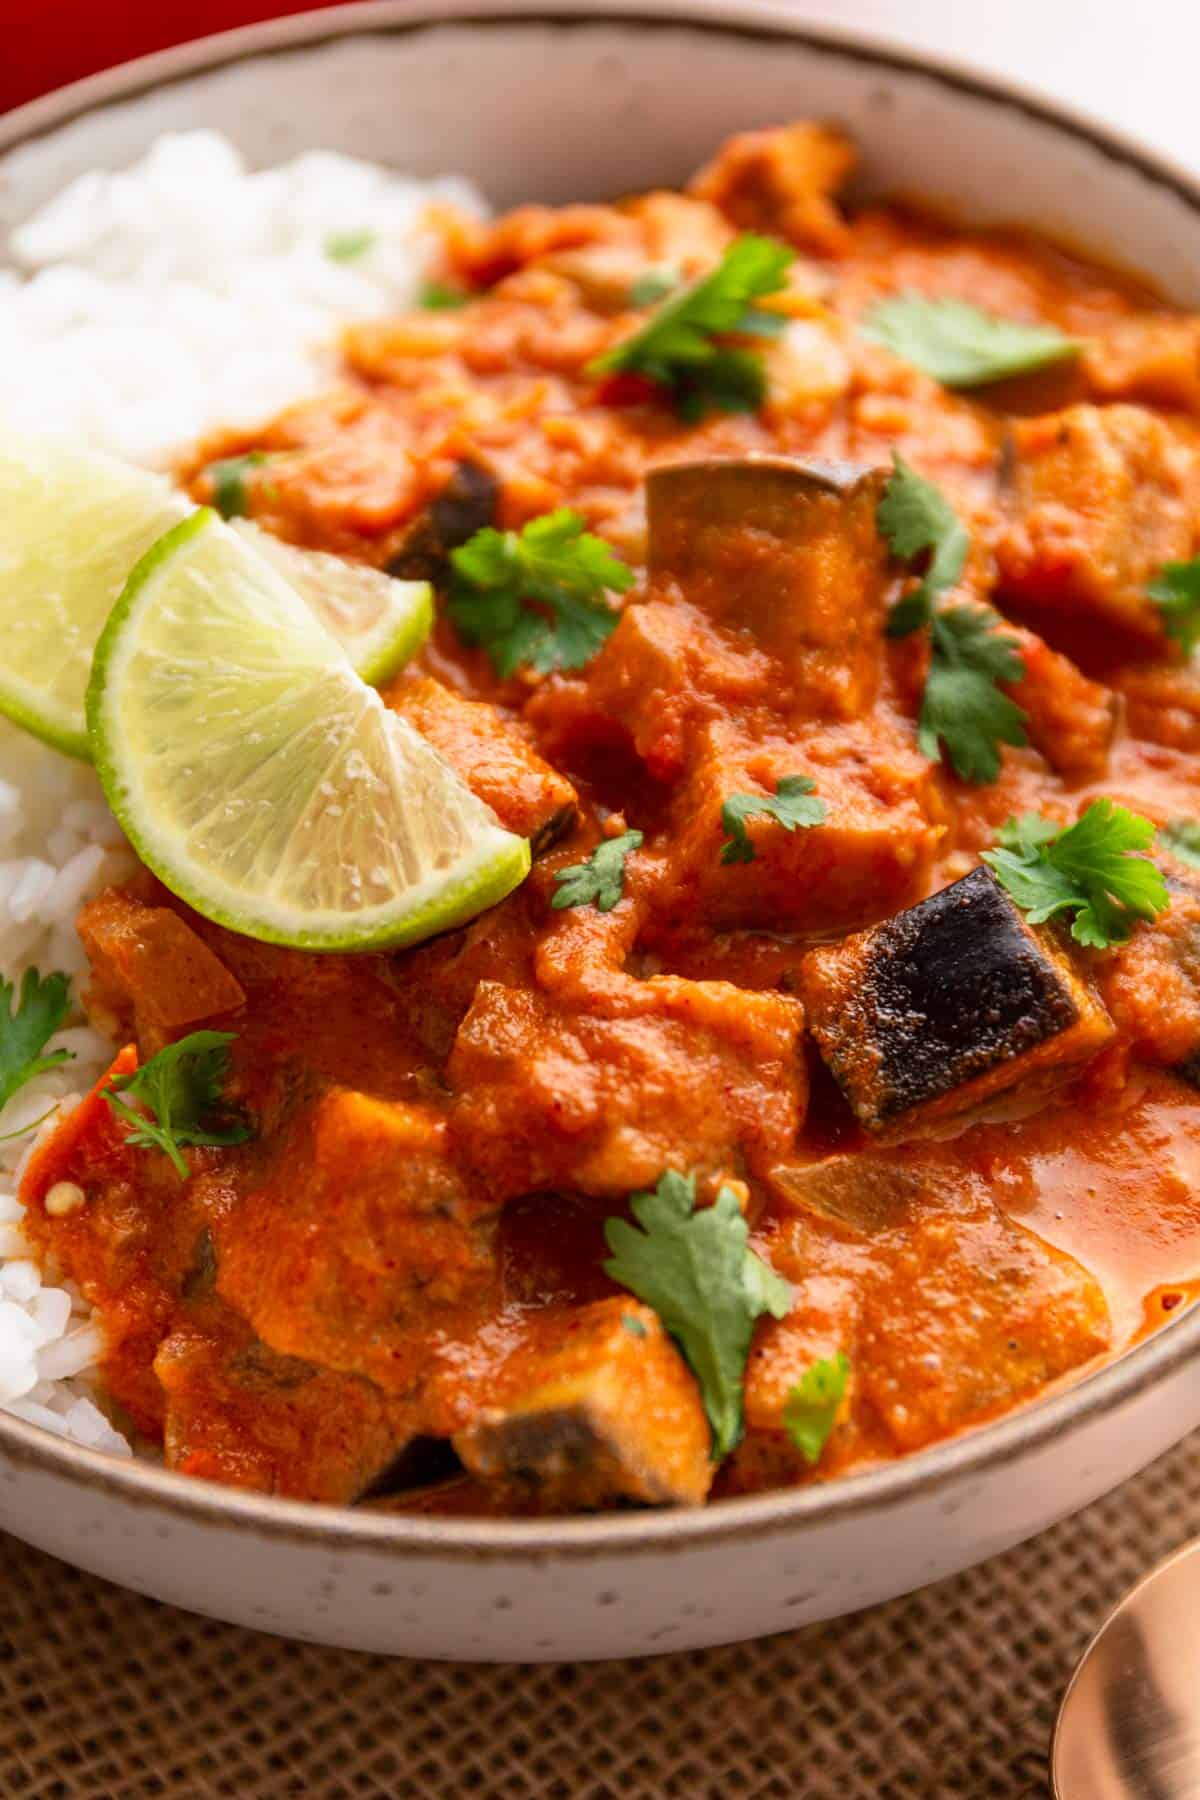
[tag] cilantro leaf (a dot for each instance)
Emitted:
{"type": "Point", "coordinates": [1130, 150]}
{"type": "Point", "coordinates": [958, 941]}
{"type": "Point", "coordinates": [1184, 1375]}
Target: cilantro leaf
{"type": "Point", "coordinates": [601, 879]}
{"type": "Point", "coordinates": [535, 596]}
{"type": "Point", "coordinates": [1176, 593]}
{"type": "Point", "coordinates": [811, 1408]}
{"type": "Point", "coordinates": [679, 348]}
{"type": "Point", "coordinates": [1086, 869]}
{"type": "Point", "coordinates": [439, 296]}
{"type": "Point", "coordinates": [348, 246]}
{"type": "Point", "coordinates": [27, 1027]}
{"type": "Point", "coordinates": [228, 477]}
{"type": "Point", "coordinates": [177, 1090]}
{"type": "Point", "coordinates": [695, 1268]}
{"type": "Point", "coordinates": [961, 345]}
{"type": "Point", "coordinates": [790, 807]}
{"type": "Point", "coordinates": [1182, 838]}
{"type": "Point", "coordinates": [914, 517]}
{"type": "Point", "coordinates": [962, 706]}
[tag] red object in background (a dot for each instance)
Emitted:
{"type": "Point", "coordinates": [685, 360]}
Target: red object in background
{"type": "Point", "coordinates": [56, 41]}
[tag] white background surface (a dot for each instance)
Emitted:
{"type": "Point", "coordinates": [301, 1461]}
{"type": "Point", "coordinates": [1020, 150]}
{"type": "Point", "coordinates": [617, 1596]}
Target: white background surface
{"type": "Point", "coordinates": [1137, 65]}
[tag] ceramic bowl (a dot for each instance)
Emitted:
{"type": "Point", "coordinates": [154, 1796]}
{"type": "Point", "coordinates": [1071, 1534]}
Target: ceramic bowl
{"type": "Point", "coordinates": [562, 103]}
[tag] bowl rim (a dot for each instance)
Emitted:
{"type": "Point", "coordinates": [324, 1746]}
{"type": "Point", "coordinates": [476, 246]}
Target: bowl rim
{"type": "Point", "coordinates": [925, 1474]}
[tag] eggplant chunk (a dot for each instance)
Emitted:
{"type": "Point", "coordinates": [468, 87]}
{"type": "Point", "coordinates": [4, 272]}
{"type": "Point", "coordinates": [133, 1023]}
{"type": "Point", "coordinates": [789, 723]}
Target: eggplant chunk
{"type": "Point", "coordinates": [966, 1314]}
{"type": "Point", "coordinates": [949, 1310]}
{"type": "Point", "coordinates": [785, 553]}
{"type": "Point", "coordinates": [465, 505]}
{"type": "Point", "coordinates": [1152, 358]}
{"type": "Point", "coordinates": [1151, 985]}
{"type": "Point", "coordinates": [871, 853]}
{"type": "Point", "coordinates": [152, 976]}
{"type": "Point", "coordinates": [361, 1243]}
{"type": "Point", "coordinates": [603, 1409]}
{"type": "Point", "coordinates": [783, 181]}
{"type": "Point", "coordinates": [946, 1006]}
{"type": "Point", "coordinates": [598, 1095]}
{"type": "Point", "coordinates": [1070, 719]}
{"type": "Point", "coordinates": [1099, 498]}
{"type": "Point", "coordinates": [859, 1196]}
{"type": "Point", "coordinates": [237, 1412]}
{"type": "Point", "coordinates": [497, 764]}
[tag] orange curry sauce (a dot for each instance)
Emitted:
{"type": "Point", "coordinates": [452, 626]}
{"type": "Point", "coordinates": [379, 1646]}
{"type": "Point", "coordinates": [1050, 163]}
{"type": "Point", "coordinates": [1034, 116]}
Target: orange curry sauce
{"type": "Point", "coordinates": [412, 1243]}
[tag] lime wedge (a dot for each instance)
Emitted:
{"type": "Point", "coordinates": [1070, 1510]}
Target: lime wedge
{"type": "Point", "coordinates": [380, 623]}
{"type": "Point", "coordinates": [72, 525]}
{"type": "Point", "coordinates": [261, 779]}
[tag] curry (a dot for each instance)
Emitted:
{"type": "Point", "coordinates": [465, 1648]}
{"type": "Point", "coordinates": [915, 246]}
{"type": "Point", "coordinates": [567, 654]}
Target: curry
{"type": "Point", "coordinates": [771, 980]}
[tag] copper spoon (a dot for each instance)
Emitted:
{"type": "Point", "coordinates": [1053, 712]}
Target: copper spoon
{"type": "Point", "coordinates": [1129, 1724]}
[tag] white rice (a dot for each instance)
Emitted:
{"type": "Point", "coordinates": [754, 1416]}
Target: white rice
{"type": "Point", "coordinates": [151, 306]}
{"type": "Point", "coordinates": [142, 310]}
{"type": "Point", "coordinates": [58, 843]}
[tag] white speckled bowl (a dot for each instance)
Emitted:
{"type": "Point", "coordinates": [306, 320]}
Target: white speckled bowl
{"type": "Point", "coordinates": [562, 104]}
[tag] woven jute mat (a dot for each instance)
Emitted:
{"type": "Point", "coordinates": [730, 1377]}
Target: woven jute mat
{"type": "Point", "coordinates": [950, 1692]}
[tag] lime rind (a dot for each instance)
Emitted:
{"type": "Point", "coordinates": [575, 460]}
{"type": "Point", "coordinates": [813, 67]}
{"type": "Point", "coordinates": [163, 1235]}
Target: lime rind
{"type": "Point", "coordinates": [27, 707]}
{"type": "Point", "coordinates": [387, 655]}
{"type": "Point", "coordinates": [379, 621]}
{"type": "Point", "coordinates": [72, 523]}
{"type": "Point", "coordinates": [305, 796]}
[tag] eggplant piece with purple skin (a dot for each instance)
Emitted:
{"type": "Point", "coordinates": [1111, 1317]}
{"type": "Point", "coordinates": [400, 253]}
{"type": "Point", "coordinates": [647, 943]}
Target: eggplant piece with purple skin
{"type": "Point", "coordinates": [947, 1008]}
{"type": "Point", "coordinates": [465, 505]}
{"type": "Point", "coordinates": [604, 1412]}
{"type": "Point", "coordinates": [786, 552]}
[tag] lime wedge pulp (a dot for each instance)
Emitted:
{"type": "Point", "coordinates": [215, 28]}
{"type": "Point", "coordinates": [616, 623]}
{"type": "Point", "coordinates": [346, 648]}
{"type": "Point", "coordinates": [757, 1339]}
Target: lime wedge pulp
{"type": "Point", "coordinates": [380, 623]}
{"type": "Point", "coordinates": [73, 524]}
{"type": "Point", "coordinates": [261, 779]}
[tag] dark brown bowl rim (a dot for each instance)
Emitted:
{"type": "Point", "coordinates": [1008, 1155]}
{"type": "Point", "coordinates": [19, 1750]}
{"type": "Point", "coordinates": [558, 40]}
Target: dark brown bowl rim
{"type": "Point", "coordinates": [927, 1474]}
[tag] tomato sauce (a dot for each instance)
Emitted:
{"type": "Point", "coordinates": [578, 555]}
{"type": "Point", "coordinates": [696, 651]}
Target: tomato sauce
{"type": "Point", "coordinates": [409, 1252]}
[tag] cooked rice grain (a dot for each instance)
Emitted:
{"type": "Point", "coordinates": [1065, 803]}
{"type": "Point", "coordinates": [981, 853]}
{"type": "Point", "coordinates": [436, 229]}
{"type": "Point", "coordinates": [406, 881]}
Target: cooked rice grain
{"type": "Point", "coordinates": [145, 309]}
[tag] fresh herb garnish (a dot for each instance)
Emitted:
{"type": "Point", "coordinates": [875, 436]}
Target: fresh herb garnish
{"type": "Point", "coordinates": [790, 806]}
{"type": "Point", "coordinates": [959, 344]}
{"type": "Point", "coordinates": [962, 707]}
{"type": "Point", "coordinates": [1176, 593]}
{"type": "Point", "coordinates": [25, 1030]}
{"type": "Point", "coordinates": [177, 1090]}
{"type": "Point", "coordinates": [915, 517]}
{"type": "Point", "coordinates": [654, 284]}
{"type": "Point", "coordinates": [439, 296]}
{"type": "Point", "coordinates": [680, 348]}
{"type": "Point", "coordinates": [228, 477]}
{"type": "Point", "coordinates": [348, 246]}
{"type": "Point", "coordinates": [599, 880]}
{"type": "Point", "coordinates": [1086, 869]}
{"type": "Point", "coordinates": [536, 596]}
{"type": "Point", "coordinates": [811, 1408]}
{"type": "Point", "coordinates": [695, 1268]}
{"type": "Point", "coordinates": [1182, 838]}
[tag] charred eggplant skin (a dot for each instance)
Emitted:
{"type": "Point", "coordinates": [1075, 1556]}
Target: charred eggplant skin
{"type": "Point", "coordinates": [598, 1414]}
{"type": "Point", "coordinates": [952, 996]}
{"type": "Point", "coordinates": [959, 984]}
{"type": "Point", "coordinates": [784, 553]}
{"type": "Point", "coordinates": [465, 505]}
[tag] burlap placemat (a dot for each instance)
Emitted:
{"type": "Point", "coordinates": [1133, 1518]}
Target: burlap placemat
{"type": "Point", "coordinates": [950, 1692]}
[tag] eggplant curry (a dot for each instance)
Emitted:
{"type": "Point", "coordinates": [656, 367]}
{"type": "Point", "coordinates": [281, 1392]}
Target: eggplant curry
{"type": "Point", "coordinates": [816, 593]}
